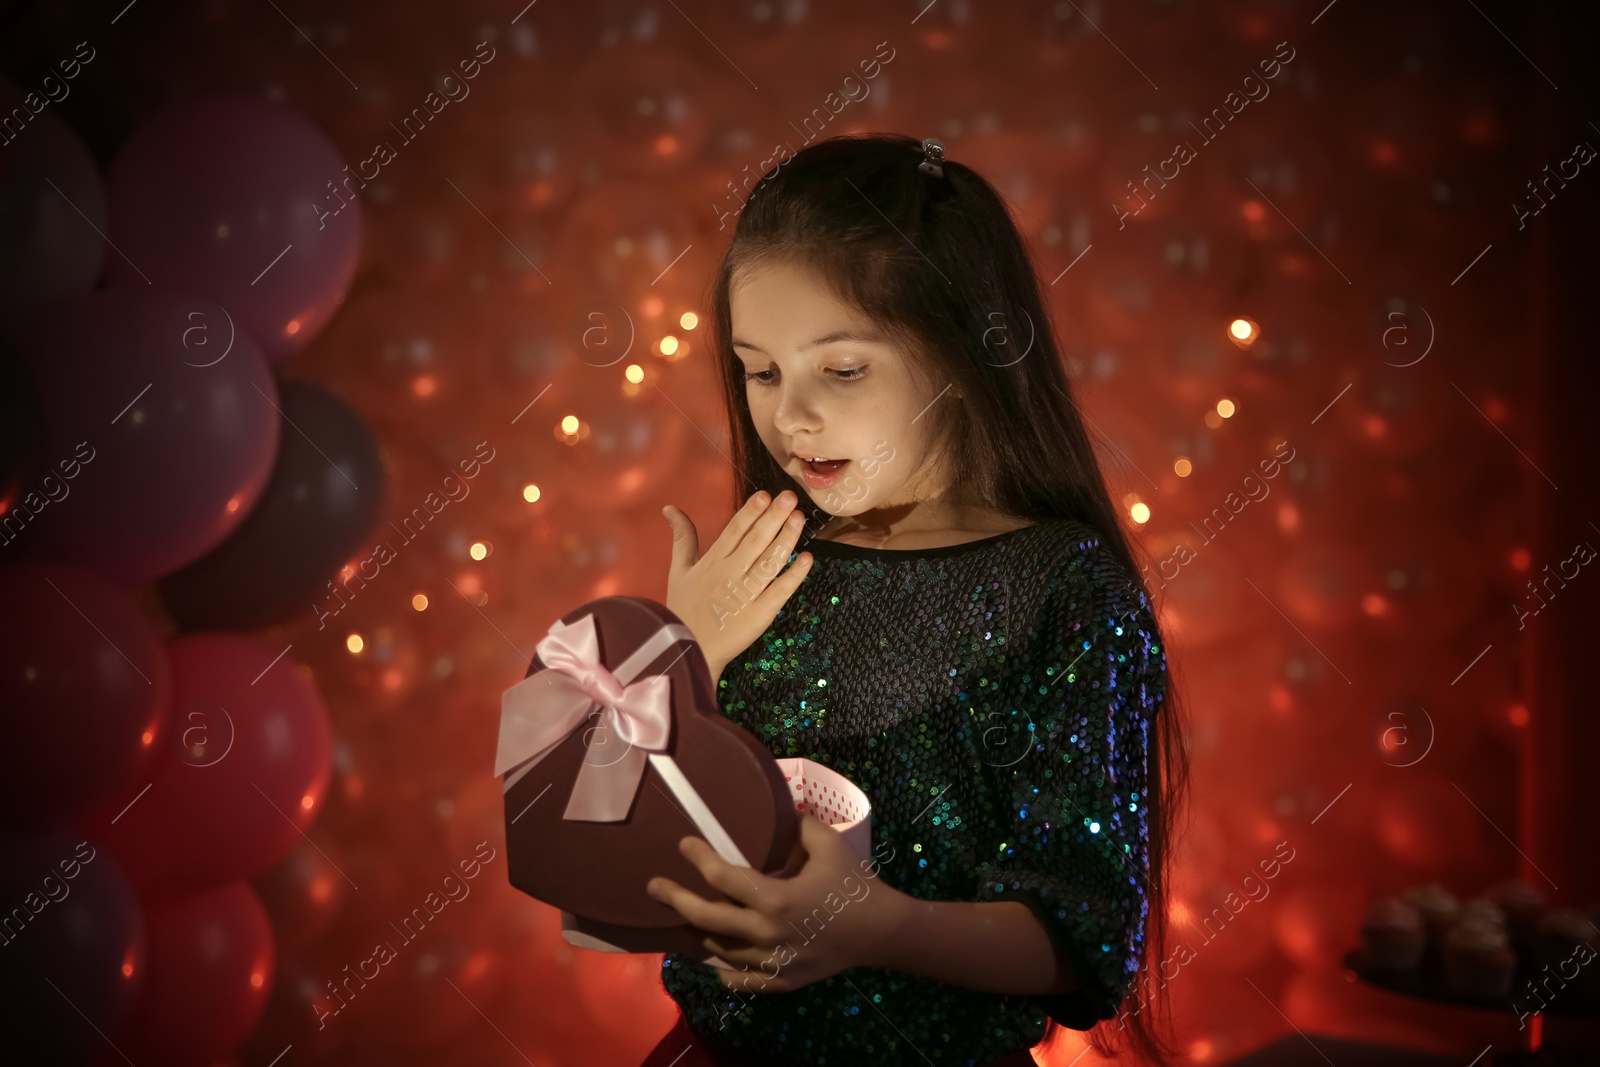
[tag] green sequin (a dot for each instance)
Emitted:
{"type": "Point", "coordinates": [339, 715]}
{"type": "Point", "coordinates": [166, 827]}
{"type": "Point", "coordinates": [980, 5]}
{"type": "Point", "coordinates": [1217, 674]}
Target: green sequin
{"type": "Point", "coordinates": [1004, 689]}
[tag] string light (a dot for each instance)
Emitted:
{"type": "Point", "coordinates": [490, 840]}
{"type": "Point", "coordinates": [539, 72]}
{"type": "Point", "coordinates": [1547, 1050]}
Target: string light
{"type": "Point", "coordinates": [355, 644]}
{"type": "Point", "coordinates": [688, 320]}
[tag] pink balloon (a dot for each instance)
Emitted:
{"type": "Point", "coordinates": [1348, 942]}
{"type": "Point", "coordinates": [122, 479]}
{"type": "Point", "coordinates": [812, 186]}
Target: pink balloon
{"type": "Point", "coordinates": [168, 417]}
{"type": "Point", "coordinates": [236, 785]}
{"type": "Point", "coordinates": [244, 202]}
{"type": "Point", "coordinates": [211, 968]}
{"type": "Point", "coordinates": [85, 688]}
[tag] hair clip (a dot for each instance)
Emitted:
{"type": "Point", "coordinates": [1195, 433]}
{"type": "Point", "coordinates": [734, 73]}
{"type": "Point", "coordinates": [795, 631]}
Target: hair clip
{"type": "Point", "coordinates": [933, 157]}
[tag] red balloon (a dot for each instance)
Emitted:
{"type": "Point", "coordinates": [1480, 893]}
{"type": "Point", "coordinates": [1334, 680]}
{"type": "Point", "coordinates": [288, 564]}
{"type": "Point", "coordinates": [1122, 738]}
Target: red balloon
{"type": "Point", "coordinates": [211, 969]}
{"type": "Point", "coordinates": [413, 1003]}
{"type": "Point", "coordinates": [72, 922]}
{"type": "Point", "coordinates": [291, 1018]}
{"type": "Point", "coordinates": [303, 894]}
{"type": "Point", "coordinates": [166, 413]}
{"type": "Point", "coordinates": [85, 690]}
{"type": "Point", "coordinates": [232, 791]}
{"type": "Point", "coordinates": [244, 202]}
{"type": "Point", "coordinates": [1427, 823]}
{"type": "Point", "coordinates": [1317, 923]}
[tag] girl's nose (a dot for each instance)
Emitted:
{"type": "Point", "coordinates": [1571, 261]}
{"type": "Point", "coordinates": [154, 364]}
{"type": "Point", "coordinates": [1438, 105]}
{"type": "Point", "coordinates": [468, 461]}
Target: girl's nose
{"type": "Point", "coordinates": [795, 413]}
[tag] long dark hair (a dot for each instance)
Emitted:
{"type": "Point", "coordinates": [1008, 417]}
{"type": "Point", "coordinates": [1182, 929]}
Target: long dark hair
{"type": "Point", "coordinates": [939, 264]}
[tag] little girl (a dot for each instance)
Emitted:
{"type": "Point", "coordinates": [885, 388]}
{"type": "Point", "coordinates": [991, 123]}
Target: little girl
{"type": "Point", "coordinates": [957, 631]}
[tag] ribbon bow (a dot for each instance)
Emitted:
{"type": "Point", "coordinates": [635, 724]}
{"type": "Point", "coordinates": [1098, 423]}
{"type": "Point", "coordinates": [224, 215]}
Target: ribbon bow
{"type": "Point", "coordinates": [541, 711]}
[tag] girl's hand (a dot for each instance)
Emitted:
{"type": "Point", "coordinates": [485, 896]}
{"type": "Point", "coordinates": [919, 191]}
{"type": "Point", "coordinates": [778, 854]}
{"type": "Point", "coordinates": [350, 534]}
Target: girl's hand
{"type": "Point", "coordinates": [849, 916]}
{"type": "Point", "coordinates": [729, 596]}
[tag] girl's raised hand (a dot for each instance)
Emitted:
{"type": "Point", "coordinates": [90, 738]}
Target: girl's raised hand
{"type": "Point", "coordinates": [730, 595]}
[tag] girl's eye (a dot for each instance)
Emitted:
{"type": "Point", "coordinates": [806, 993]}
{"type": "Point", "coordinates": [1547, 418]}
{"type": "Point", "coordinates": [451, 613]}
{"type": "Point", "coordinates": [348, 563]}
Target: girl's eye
{"type": "Point", "coordinates": [847, 374]}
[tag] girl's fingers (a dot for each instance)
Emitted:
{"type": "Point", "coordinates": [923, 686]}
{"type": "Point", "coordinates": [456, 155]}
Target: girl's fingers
{"type": "Point", "coordinates": [783, 586]}
{"type": "Point", "coordinates": [739, 953]}
{"type": "Point", "coordinates": [685, 539]}
{"type": "Point", "coordinates": [732, 536]}
{"type": "Point", "coordinates": [762, 533]}
{"type": "Point", "coordinates": [771, 562]}
{"type": "Point", "coordinates": [733, 922]}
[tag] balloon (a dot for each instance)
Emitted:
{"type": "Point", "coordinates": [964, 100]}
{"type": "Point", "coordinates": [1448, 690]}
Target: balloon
{"type": "Point", "coordinates": [1425, 823]}
{"type": "Point", "coordinates": [244, 202]}
{"type": "Point", "coordinates": [651, 96]}
{"type": "Point", "coordinates": [211, 967]}
{"type": "Point", "coordinates": [290, 1018]}
{"type": "Point", "coordinates": [232, 792]}
{"type": "Point", "coordinates": [49, 186]}
{"type": "Point", "coordinates": [85, 693]}
{"type": "Point", "coordinates": [170, 412]}
{"type": "Point", "coordinates": [414, 1002]}
{"type": "Point", "coordinates": [79, 949]}
{"type": "Point", "coordinates": [321, 504]}
{"type": "Point", "coordinates": [1321, 584]}
{"type": "Point", "coordinates": [622, 235]}
{"type": "Point", "coordinates": [303, 894]}
{"type": "Point", "coordinates": [1316, 924]}
{"type": "Point", "coordinates": [1203, 598]}
{"type": "Point", "coordinates": [627, 451]}
{"type": "Point", "coordinates": [1133, 187]}
{"type": "Point", "coordinates": [22, 441]}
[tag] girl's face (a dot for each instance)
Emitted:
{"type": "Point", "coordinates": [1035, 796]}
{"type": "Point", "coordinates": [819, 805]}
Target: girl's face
{"type": "Point", "coordinates": [823, 381]}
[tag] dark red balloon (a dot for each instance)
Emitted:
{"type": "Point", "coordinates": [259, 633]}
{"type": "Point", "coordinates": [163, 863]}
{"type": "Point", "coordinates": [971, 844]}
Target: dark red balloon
{"type": "Point", "coordinates": [244, 773]}
{"type": "Point", "coordinates": [242, 201]}
{"type": "Point", "coordinates": [85, 693]}
{"type": "Point", "coordinates": [211, 969]}
{"type": "Point", "coordinates": [49, 188]}
{"type": "Point", "coordinates": [295, 1015]}
{"type": "Point", "coordinates": [23, 467]}
{"type": "Point", "coordinates": [72, 948]}
{"type": "Point", "coordinates": [168, 411]}
{"type": "Point", "coordinates": [320, 506]}
{"type": "Point", "coordinates": [304, 893]}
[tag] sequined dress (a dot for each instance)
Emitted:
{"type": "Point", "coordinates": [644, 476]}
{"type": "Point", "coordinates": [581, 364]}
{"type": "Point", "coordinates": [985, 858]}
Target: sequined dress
{"type": "Point", "coordinates": [993, 699]}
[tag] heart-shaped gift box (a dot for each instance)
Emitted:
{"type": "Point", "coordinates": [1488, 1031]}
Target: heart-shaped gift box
{"type": "Point", "coordinates": [613, 750]}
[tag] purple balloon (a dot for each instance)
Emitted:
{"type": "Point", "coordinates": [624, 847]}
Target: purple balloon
{"type": "Point", "coordinates": [48, 251]}
{"type": "Point", "coordinates": [167, 414]}
{"type": "Point", "coordinates": [72, 955]}
{"type": "Point", "coordinates": [240, 201]}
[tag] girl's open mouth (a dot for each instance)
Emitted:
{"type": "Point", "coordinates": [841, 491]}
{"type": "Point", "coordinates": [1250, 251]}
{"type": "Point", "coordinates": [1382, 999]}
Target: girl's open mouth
{"type": "Point", "coordinates": [822, 474]}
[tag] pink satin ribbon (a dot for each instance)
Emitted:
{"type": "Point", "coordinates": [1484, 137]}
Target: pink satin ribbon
{"type": "Point", "coordinates": [541, 711]}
